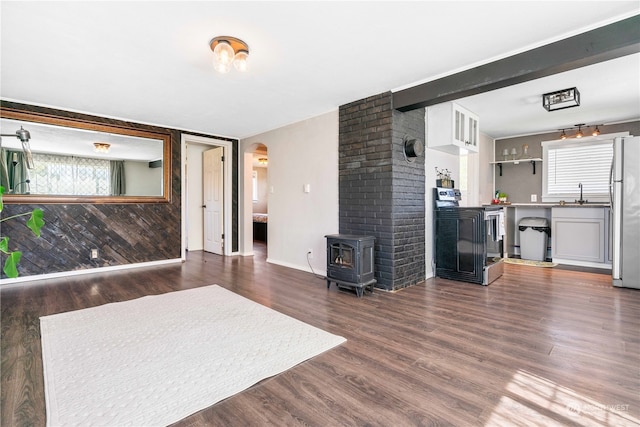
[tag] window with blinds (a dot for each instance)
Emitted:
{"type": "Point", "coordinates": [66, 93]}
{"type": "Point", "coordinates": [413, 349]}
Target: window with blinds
{"type": "Point", "coordinates": [568, 164]}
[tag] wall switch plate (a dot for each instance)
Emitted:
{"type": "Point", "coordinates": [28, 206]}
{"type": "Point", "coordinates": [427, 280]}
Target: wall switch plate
{"type": "Point", "coordinates": [534, 197]}
{"type": "Point", "coordinates": [94, 253]}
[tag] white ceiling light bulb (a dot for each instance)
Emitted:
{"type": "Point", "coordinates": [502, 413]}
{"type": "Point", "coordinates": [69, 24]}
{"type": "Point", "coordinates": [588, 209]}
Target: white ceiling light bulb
{"type": "Point", "coordinates": [220, 67]}
{"type": "Point", "coordinates": [223, 56]}
{"type": "Point", "coordinates": [240, 61]}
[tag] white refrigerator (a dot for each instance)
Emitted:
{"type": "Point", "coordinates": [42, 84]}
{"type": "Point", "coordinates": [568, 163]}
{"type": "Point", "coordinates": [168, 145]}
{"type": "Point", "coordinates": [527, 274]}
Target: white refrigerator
{"type": "Point", "coordinates": [625, 212]}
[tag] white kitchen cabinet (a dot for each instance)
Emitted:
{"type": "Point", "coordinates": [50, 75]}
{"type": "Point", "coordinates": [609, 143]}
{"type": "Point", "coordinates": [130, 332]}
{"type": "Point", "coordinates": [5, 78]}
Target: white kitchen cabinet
{"type": "Point", "coordinates": [579, 236]}
{"type": "Point", "coordinates": [452, 128]}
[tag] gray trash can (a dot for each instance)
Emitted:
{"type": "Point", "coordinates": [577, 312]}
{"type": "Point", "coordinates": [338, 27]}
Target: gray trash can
{"type": "Point", "coordinates": [534, 233]}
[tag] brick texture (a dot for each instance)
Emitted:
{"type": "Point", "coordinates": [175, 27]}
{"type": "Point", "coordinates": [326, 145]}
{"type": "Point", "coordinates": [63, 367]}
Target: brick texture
{"type": "Point", "coordinates": [381, 194]}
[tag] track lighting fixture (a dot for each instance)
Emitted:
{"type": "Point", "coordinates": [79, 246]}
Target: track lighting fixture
{"type": "Point", "coordinates": [579, 133]}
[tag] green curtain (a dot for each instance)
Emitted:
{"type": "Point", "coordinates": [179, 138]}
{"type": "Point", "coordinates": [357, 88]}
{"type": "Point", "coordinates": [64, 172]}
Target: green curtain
{"type": "Point", "coordinates": [14, 172]}
{"type": "Point", "coordinates": [4, 172]}
{"type": "Point", "coordinates": [118, 187]}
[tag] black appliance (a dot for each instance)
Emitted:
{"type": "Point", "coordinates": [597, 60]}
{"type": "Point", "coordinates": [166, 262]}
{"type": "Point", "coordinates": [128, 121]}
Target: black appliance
{"type": "Point", "coordinates": [461, 235]}
{"type": "Point", "coordinates": [350, 262]}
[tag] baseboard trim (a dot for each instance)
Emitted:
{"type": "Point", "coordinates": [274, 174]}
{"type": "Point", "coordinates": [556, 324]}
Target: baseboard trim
{"type": "Point", "coordinates": [322, 273]}
{"type": "Point", "coordinates": [18, 280]}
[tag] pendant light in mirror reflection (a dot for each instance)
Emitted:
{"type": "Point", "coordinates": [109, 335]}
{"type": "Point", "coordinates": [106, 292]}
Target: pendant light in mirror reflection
{"type": "Point", "coordinates": [24, 136]}
{"type": "Point", "coordinates": [227, 51]}
{"type": "Point", "coordinates": [101, 147]}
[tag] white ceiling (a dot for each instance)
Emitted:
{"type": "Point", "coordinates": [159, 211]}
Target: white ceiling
{"type": "Point", "coordinates": [150, 61]}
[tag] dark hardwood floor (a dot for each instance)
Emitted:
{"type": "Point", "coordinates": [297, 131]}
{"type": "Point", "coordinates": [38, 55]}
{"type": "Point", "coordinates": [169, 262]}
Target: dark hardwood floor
{"type": "Point", "coordinates": [540, 346]}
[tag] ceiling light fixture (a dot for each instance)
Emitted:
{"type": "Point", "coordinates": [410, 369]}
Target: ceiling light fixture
{"type": "Point", "coordinates": [262, 160]}
{"type": "Point", "coordinates": [229, 50]}
{"type": "Point", "coordinates": [101, 147]}
{"type": "Point", "coordinates": [579, 133]}
{"type": "Point", "coordinates": [561, 99]}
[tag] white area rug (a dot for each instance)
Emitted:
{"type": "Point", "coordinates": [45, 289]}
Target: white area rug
{"type": "Point", "coordinates": [155, 360]}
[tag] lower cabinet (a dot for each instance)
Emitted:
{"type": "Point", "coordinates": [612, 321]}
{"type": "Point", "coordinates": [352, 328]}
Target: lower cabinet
{"type": "Point", "coordinates": [579, 234]}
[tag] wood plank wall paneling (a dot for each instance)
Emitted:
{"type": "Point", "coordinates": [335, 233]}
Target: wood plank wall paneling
{"type": "Point", "coordinates": [122, 233]}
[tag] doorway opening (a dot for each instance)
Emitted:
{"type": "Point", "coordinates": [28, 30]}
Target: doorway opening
{"type": "Point", "coordinates": [197, 216]}
{"type": "Point", "coordinates": [260, 202]}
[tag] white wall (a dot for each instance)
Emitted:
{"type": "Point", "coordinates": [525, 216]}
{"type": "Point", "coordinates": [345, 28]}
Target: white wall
{"type": "Point", "coordinates": [486, 172]}
{"type": "Point", "coordinates": [141, 180]}
{"type": "Point", "coordinates": [301, 153]}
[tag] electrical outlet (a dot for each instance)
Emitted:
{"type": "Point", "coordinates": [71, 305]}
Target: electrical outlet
{"type": "Point", "coordinates": [94, 254]}
{"type": "Point", "coordinates": [310, 253]}
{"type": "Point", "coordinates": [534, 198]}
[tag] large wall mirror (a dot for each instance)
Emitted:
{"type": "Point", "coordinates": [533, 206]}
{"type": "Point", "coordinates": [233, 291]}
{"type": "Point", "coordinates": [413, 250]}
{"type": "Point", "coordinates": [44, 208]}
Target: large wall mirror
{"type": "Point", "coordinates": [66, 160]}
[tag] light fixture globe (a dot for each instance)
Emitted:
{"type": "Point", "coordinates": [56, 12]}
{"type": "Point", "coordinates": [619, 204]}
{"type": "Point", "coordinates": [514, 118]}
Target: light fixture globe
{"type": "Point", "coordinates": [229, 50]}
{"type": "Point", "coordinates": [221, 67]}
{"type": "Point", "coordinates": [223, 53]}
{"type": "Point", "coordinates": [240, 60]}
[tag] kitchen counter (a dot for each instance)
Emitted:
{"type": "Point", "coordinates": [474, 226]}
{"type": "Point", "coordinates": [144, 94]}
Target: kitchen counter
{"type": "Point", "coordinates": [550, 205]}
{"type": "Point", "coordinates": [514, 212]}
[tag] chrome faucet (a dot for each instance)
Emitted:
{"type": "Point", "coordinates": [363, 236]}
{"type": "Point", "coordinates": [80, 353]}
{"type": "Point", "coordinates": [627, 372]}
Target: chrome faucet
{"type": "Point", "coordinates": [581, 201]}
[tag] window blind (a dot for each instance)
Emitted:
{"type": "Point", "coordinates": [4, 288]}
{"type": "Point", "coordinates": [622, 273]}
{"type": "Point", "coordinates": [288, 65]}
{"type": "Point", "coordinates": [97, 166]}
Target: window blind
{"type": "Point", "coordinates": [572, 164]}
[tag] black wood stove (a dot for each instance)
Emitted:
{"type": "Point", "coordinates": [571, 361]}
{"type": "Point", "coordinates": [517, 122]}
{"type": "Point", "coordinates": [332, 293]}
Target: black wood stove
{"type": "Point", "coordinates": [350, 262]}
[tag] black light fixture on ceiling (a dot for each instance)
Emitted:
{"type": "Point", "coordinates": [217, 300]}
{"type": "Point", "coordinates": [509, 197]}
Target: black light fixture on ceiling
{"type": "Point", "coordinates": [229, 50]}
{"type": "Point", "coordinates": [561, 99]}
{"type": "Point", "coordinates": [579, 133]}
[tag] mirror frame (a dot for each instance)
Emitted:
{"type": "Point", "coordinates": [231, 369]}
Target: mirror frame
{"type": "Point", "coordinates": [165, 137]}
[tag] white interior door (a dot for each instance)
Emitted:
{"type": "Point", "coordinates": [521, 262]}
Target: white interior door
{"type": "Point", "coordinates": [213, 186]}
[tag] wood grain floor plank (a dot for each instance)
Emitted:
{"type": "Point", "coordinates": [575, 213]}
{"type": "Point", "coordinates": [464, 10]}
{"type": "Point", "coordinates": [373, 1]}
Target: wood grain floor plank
{"type": "Point", "coordinates": [440, 353]}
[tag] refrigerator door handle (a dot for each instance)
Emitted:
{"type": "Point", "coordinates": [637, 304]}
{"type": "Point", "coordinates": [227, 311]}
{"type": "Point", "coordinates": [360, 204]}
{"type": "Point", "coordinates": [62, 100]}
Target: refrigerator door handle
{"type": "Point", "coordinates": [611, 184]}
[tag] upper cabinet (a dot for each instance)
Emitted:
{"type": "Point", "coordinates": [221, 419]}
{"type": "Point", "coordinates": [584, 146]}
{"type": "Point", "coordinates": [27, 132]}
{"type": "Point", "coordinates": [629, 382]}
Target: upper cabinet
{"type": "Point", "coordinates": [451, 128]}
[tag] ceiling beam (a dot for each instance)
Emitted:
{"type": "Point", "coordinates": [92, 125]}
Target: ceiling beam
{"type": "Point", "coordinates": [601, 44]}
